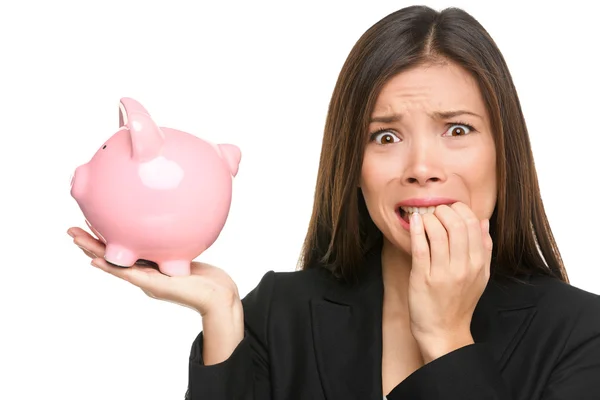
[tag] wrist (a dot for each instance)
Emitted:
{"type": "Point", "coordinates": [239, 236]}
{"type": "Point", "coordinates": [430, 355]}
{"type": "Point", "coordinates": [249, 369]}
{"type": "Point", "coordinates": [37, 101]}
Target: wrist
{"type": "Point", "coordinates": [223, 330]}
{"type": "Point", "coordinates": [230, 306]}
{"type": "Point", "coordinates": [227, 320]}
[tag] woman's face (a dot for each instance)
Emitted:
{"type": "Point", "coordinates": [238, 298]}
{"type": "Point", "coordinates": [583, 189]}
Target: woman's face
{"type": "Point", "coordinates": [430, 143]}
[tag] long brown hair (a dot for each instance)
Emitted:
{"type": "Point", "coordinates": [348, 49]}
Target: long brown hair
{"type": "Point", "coordinates": [341, 231]}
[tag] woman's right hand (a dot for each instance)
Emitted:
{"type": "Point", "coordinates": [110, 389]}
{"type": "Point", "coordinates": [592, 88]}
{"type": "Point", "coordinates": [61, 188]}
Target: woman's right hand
{"type": "Point", "coordinates": [208, 290]}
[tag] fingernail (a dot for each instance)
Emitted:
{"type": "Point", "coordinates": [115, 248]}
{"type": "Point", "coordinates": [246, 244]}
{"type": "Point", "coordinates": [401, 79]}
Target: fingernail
{"type": "Point", "coordinates": [70, 234]}
{"type": "Point", "coordinates": [415, 217]}
{"type": "Point", "coordinates": [94, 264]}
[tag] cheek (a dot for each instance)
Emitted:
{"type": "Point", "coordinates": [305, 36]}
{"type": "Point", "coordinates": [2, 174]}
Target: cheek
{"type": "Point", "coordinates": [483, 187]}
{"type": "Point", "coordinates": [377, 183]}
{"type": "Point", "coordinates": [372, 185]}
{"type": "Point", "coordinates": [484, 201]}
{"type": "Point", "coordinates": [373, 178]}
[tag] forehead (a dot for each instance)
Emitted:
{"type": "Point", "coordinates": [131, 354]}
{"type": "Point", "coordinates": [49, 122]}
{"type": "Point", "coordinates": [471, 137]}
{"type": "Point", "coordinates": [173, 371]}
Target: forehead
{"type": "Point", "coordinates": [436, 87]}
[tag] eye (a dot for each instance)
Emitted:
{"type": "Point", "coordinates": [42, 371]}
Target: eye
{"type": "Point", "coordinates": [384, 136]}
{"type": "Point", "coordinates": [459, 129]}
{"type": "Point", "coordinates": [103, 147]}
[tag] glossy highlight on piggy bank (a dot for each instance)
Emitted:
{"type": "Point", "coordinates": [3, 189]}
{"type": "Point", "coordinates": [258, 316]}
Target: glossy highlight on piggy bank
{"type": "Point", "coordinates": [155, 193]}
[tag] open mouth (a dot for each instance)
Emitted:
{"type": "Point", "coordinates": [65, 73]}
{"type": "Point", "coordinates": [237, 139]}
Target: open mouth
{"type": "Point", "coordinates": [404, 215]}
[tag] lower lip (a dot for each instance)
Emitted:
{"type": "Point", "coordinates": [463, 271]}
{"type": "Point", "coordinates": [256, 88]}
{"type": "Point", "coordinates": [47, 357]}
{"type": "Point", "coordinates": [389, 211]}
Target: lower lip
{"type": "Point", "coordinates": [404, 224]}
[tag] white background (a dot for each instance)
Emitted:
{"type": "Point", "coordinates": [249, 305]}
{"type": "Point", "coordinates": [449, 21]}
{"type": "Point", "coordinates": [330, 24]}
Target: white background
{"type": "Point", "coordinates": [256, 74]}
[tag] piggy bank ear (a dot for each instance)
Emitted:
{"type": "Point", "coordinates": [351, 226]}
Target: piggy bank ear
{"type": "Point", "coordinates": [232, 156]}
{"type": "Point", "coordinates": [127, 106]}
{"type": "Point", "coordinates": [147, 138]}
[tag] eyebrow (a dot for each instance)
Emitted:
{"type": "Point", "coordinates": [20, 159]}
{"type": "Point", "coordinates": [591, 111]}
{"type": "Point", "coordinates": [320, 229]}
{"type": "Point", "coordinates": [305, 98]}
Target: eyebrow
{"type": "Point", "coordinates": [388, 119]}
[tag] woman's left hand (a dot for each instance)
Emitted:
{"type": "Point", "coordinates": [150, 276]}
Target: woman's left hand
{"type": "Point", "coordinates": [448, 277]}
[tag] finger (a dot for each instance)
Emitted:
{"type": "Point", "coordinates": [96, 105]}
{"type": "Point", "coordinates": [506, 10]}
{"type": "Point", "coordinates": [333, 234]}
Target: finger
{"type": "Point", "coordinates": [88, 253]}
{"type": "Point", "coordinates": [149, 294]}
{"type": "Point", "coordinates": [75, 231]}
{"type": "Point", "coordinates": [421, 259]}
{"type": "Point", "coordinates": [438, 243]}
{"type": "Point", "coordinates": [458, 239]}
{"type": "Point", "coordinates": [91, 245]}
{"type": "Point", "coordinates": [488, 243]}
{"type": "Point", "coordinates": [146, 279]}
{"type": "Point", "coordinates": [477, 252]}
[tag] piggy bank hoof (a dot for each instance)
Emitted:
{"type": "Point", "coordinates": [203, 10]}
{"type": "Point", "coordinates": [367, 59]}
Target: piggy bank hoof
{"type": "Point", "coordinates": [175, 267]}
{"type": "Point", "coordinates": [119, 256]}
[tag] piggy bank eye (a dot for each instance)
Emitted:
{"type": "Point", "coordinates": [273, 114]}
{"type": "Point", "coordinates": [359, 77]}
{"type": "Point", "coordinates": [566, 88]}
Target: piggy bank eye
{"type": "Point", "coordinates": [103, 147]}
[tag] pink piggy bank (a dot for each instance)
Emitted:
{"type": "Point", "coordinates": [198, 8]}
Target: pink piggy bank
{"type": "Point", "coordinates": [154, 193]}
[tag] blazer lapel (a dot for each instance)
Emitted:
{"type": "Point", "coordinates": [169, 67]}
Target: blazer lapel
{"type": "Point", "coordinates": [346, 325]}
{"type": "Point", "coordinates": [502, 316]}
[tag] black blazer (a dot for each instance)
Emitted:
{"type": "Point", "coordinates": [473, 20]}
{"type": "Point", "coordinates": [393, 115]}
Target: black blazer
{"type": "Point", "coordinates": [308, 337]}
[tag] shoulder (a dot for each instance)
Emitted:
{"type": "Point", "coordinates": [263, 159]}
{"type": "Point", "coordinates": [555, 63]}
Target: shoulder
{"type": "Point", "coordinates": [287, 289]}
{"type": "Point", "coordinates": [566, 324]}
{"type": "Point", "coordinates": [279, 295]}
{"type": "Point", "coordinates": [558, 305]}
{"type": "Point", "coordinates": [562, 298]}
{"type": "Point", "coordinates": [300, 285]}
{"type": "Point", "coordinates": [569, 305]}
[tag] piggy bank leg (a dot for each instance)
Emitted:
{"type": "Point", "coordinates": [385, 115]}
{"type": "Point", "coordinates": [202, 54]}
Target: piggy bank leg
{"type": "Point", "coordinates": [175, 267]}
{"type": "Point", "coordinates": [119, 255]}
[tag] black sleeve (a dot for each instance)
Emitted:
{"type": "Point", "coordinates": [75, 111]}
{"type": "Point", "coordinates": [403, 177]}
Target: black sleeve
{"type": "Point", "coordinates": [245, 374]}
{"type": "Point", "coordinates": [469, 373]}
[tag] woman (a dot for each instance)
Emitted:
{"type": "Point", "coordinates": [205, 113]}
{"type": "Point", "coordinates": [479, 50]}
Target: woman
{"type": "Point", "coordinates": [429, 269]}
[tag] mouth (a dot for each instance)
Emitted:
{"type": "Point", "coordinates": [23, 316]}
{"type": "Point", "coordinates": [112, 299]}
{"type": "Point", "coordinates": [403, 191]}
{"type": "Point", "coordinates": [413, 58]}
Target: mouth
{"type": "Point", "coordinates": [406, 212]}
{"type": "Point", "coordinates": [422, 205]}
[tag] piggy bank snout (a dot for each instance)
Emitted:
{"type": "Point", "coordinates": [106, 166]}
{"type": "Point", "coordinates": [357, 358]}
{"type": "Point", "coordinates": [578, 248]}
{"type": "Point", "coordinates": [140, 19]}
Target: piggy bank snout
{"type": "Point", "coordinates": [79, 182]}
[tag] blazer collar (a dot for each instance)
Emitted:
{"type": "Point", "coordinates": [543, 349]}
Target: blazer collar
{"type": "Point", "coordinates": [347, 329]}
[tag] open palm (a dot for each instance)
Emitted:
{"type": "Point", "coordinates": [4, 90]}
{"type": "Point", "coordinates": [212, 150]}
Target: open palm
{"type": "Point", "coordinates": [206, 288]}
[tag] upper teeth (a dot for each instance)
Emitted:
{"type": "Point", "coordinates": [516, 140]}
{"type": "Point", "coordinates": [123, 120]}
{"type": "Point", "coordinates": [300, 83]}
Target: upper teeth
{"type": "Point", "coordinates": [420, 210]}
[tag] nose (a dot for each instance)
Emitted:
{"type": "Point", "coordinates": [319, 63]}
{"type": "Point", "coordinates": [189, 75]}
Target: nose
{"type": "Point", "coordinates": [79, 182]}
{"type": "Point", "coordinates": [424, 165]}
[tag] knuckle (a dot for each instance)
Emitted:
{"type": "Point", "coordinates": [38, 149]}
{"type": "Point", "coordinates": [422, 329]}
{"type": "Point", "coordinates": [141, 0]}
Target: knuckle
{"type": "Point", "coordinates": [458, 225]}
{"type": "Point", "coordinates": [436, 280]}
{"type": "Point", "coordinates": [472, 223]}
{"type": "Point", "coordinates": [461, 275]}
{"type": "Point", "coordinates": [477, 262]}
{"type": "Point", "coordinates": [420, 252]}
{"type": "Point", "coordinates": [439, 238]}
{"type": "Point", "coordinates": [458, 277]}
{"type": "Point", "coordinates": [90, 254]}
{"type": "Point", "coordinates": [427, 280]}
